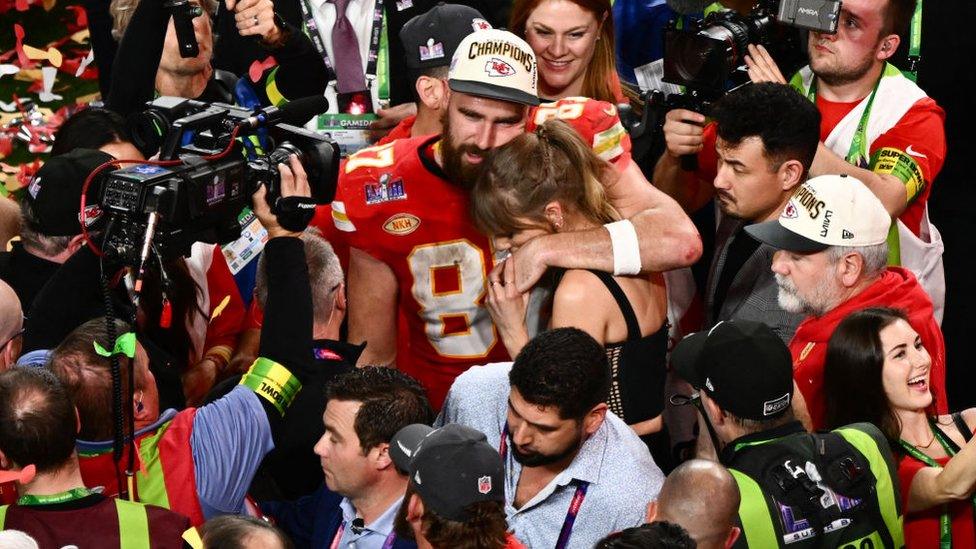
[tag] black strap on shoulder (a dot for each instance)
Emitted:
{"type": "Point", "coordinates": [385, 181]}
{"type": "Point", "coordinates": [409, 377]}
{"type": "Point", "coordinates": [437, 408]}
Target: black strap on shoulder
{"type": "Point", "coordinates": [964, 429]}
{"type": "Point", "coordinates": [633, 327]}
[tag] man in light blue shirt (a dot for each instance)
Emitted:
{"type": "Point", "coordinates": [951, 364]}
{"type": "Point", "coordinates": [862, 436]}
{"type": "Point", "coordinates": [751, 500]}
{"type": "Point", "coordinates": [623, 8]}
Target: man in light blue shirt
{"type": "Point", "coordinates": [574, 471]}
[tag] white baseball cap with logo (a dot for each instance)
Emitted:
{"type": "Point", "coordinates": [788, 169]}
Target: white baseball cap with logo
{"type": "Point", "coordinates": [496, 64]}
{"type": "Point", "coordinates": [830, 210]}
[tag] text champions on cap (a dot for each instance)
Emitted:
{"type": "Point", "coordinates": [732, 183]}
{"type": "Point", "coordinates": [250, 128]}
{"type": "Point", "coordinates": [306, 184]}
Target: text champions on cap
{"type": "Point", "coordinates": [501, 47]}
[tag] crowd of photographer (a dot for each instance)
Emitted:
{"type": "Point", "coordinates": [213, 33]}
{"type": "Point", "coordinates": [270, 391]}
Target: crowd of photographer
{"type": "Point", "coordinates": [378, 274]}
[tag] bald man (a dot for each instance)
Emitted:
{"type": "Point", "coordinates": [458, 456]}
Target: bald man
{"type": "Point", "coordinates": [9, 221]}
{"type": "Point", "coordinates": [703, 498]}
{"type": "Point", "coordinates": [11, 326]}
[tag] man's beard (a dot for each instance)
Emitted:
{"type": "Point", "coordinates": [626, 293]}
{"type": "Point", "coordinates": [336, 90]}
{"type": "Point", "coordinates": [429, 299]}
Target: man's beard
{"type": "Point", "coordinates": [836, 76]}
{"type": "Point", "coordinates": [458, 171]}
{"type": "Point", "coordinates": [535, 459]}
{"type": "Point", "coordinates": [823, 299]}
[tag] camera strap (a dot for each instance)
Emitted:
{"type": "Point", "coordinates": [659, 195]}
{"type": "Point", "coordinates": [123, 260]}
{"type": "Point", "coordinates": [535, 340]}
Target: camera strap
{"type": "Point", "coordinates": [377, 42]}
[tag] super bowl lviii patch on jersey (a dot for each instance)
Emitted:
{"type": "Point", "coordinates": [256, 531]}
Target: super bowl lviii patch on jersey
{"type": "Point", "coordinates": [386, 189]}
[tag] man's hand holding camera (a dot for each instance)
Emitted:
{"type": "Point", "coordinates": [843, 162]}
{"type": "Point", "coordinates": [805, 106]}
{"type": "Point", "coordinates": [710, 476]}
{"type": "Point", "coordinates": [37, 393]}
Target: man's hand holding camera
{"type": "Point", "coordinates": [294, 209]}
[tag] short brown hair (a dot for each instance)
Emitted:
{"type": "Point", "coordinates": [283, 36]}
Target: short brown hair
{"type": "Point", "coordinates": [898, 17]}
{"type": "Point", "coordinates": [37, 419]}
{"type": "Point", "coordinates": [390, 399]}
{"type": "Point", "coordinates": [486, 529]}
{"type": "Point", "coordinates": [533, 169]}
{"type": "Point", "coordinates": [88, 376]}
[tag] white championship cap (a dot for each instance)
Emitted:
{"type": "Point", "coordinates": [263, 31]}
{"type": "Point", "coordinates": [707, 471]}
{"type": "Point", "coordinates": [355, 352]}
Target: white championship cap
{"type": "Point", "coordinates": [496, 64]}
{"type": "Point", "coordinates": [830, 210]}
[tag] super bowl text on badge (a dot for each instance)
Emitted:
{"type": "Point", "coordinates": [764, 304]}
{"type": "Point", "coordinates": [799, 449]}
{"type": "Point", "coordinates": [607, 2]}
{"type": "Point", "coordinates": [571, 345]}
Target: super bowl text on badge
{"type": "Point", "coordinates": [384, 190]}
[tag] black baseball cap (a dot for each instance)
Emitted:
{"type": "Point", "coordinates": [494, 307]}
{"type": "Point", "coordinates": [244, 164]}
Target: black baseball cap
{"type": "Point", "coordinates": [740, 364]}
{"type": "Point", "coordinates": [431, 37]}
{"type": "Point", "coordinates": [54, 193]}
{"type": "Point", "coordinates": [451, 467]}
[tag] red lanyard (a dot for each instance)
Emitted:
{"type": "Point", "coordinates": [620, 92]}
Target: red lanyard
{"type": "Point", "coordinates": [567, 530]}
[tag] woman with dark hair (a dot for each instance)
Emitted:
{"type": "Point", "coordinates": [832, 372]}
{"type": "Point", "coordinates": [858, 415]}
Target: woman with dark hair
{"type": "Point", "coordinates": [547, 182]}
{"type": "Point", "coordinates": [877, 370]}
{"type": "Point", "coordinates": [573, 44]}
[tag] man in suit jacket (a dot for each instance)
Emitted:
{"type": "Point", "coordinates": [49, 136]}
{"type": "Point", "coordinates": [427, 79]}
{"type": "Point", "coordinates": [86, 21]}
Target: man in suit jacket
{"type": "Point", "coordinates": [765, 139]}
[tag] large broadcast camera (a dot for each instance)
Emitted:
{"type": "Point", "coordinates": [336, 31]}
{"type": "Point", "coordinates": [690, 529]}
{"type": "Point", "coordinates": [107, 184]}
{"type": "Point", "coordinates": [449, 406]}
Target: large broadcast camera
{"type": "Point", "coordinates": [708, 59]}
{"type": "Point", "coordinates": [706, 56]}
{"type": "Point", "coordinates": [210, 165]}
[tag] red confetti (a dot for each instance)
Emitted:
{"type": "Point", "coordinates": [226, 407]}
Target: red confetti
{"type": "Point", "coordinates": [21, 56]}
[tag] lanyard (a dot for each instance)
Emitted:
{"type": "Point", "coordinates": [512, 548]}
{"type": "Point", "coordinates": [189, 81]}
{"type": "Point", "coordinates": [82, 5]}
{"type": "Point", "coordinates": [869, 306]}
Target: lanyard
{"type": "Point", "coordinates": [858, 152]}
{"type": "Point", "coordinates": [387, 543]}
{"type": "Point", "coordinates": [70, 495]}
{"type": "Point", "coordinates": [567, 530]}
{"type": "Point", "coordinates": [374, 39]}
{"type": "Point", "coordinates": [945, 523]}
{"type": "Point", "coordinates": [915, 44]}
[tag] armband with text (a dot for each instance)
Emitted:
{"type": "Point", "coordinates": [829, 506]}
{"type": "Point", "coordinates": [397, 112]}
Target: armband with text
{"type": "Point", "coordinates": [891, 161]}
{"type": "Point", "coordinates": [626, 249]}
{"type": "Point", "coordinates": [272, 382]}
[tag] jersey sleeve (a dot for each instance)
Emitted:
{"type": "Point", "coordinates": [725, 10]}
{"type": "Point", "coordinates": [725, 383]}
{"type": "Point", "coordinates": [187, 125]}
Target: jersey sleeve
{"type": "Point", "coordinates": [914, 149]}
{"type": "Point", "coordinates": [597, 122]}
{"type": "Point", "coordinates": [365, 178]}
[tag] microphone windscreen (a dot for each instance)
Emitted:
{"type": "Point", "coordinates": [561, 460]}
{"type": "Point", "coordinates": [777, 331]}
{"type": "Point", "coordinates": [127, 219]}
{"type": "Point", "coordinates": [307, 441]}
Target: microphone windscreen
{"type": "Point", "coordinates": [299, 111]}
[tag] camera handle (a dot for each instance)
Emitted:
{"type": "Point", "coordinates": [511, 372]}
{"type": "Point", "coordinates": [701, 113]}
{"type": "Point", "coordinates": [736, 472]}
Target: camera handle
{"type": "Point", "coordinates": [183, 14]}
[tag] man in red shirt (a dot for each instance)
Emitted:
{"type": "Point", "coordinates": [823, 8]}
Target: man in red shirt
{"type": "Point", "coordinates": [876, 125]}
{"type": "Point", "coordinates": [415, 254]}
{"type": "Point", "coordinates": [832, 241]}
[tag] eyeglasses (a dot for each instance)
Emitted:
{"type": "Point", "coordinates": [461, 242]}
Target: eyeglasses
{"type": "Point", "coordinates": [695, 399]}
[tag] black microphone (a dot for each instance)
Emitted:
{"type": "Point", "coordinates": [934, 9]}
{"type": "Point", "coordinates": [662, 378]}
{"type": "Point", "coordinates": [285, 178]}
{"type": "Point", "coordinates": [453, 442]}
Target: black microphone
{"type": "Point", "coordinates": [358, 525]}
{"type": "Point", "coordinates": [296, 112]}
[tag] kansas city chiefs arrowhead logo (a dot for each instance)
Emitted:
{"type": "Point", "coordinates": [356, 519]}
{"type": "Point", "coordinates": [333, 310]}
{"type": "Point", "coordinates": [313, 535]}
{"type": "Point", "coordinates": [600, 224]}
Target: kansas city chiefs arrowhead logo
{"type": "Point", "coordinates": [790, 211]}
{"type": "Point", "coordinates": [497, 67]}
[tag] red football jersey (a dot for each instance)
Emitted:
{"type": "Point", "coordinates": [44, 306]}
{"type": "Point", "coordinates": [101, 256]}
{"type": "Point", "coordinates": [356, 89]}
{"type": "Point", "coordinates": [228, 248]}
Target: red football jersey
{"type": "Point", "coordinates": [394, 203]}
{"type": "Point", "coordinates": [597, 122]}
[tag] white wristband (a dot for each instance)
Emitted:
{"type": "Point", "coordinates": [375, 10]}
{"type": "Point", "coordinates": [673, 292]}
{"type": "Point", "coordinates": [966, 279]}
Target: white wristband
{"type": "Point", "coordinates": [626, 249]}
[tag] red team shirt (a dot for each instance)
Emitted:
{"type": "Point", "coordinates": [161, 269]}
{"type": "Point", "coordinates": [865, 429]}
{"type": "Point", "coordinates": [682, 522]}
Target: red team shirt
{"type": "Point", "coordinates": [395, 203]}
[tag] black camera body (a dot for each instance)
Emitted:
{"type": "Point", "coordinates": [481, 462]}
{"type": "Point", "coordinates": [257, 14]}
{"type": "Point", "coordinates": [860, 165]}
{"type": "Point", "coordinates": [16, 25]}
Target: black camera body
{"type": "Point", "coordinates": [708, 55]}
{"type": "Point", "coordinates": [200, 196]}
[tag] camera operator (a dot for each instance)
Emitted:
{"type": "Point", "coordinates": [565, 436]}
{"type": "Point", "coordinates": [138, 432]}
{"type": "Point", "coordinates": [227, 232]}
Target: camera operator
{"type": "Point", "coordinates": [193, 344]}
{"type": "Point", "coordinates": [200, 462]}
{"type": "Point", "coordinates": [150, 60]}
{"type": "Point", "coordinates": [877, 126]}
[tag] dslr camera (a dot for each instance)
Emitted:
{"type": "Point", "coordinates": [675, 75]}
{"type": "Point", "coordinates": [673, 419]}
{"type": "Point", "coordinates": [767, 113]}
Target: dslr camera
{"type": "Point", "coordinates": [214, 157]}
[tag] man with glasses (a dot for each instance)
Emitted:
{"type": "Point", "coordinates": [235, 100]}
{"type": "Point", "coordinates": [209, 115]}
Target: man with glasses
{"type": "Point", "coordinates": [11, 326]}
{"type": "Point", "coordinates": [797, 489]}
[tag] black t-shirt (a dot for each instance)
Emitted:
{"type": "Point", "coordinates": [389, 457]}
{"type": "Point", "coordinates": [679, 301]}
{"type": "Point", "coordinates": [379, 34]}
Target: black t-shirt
{"type": "Point", "coordinates": [741, 247]}
{"type": "Point", "coordinates": [25, 273]}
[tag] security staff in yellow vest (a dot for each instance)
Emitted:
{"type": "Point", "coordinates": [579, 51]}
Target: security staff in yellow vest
{"type": "Point", "coordinates": [38, 423]}
{"type": "Point", "coordinates": [798, 490]}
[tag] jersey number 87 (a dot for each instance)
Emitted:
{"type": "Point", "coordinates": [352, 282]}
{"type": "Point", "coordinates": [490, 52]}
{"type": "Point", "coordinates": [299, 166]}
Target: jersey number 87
{"type": "Point", "coordinates": [449, 283]}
